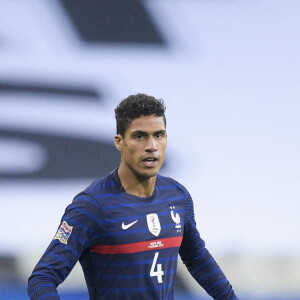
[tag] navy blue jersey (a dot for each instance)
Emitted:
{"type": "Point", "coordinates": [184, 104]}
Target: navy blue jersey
{"type": "Point", "coordinates": [127, 245]}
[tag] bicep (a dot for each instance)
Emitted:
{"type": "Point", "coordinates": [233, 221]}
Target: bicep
{"type": "Point", "coordinates": [73, 237]}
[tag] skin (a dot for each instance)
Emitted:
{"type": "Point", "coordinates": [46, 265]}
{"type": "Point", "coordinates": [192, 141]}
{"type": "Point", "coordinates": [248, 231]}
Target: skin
{"type": "Point", "coordinates": [142, 154]}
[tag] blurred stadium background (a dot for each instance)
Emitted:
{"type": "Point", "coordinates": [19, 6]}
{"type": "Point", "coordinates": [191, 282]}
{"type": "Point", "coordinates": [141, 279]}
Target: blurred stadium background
{"type": "Point", "coordinates": [229, 74]}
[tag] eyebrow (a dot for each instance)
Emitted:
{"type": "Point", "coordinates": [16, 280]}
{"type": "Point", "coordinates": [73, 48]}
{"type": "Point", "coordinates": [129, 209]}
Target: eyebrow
{"type": "Point", "coordinates": [146, 133]}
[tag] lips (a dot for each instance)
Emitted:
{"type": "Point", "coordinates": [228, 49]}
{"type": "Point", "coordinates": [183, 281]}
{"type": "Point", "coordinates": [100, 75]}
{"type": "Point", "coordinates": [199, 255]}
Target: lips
{"type": "Point", "coordinates": [150, 161]}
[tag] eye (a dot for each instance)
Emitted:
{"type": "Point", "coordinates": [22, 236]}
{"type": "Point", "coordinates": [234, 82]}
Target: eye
{"type": "Point", "coordinates": [138, 136]}
{"type": "Point", "coordinates": [159, 135]}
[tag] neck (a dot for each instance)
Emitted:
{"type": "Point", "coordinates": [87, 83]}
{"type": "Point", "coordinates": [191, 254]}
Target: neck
{"type": "Point", "coordinates": [135, 185]}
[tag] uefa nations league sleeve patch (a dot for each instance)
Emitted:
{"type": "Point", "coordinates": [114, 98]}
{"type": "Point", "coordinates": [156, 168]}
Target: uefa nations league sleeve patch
{"type": "Point", "coordinates": [63, 232]}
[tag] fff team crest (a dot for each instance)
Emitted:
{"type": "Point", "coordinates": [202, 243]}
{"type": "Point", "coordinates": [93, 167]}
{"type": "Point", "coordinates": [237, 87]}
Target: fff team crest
{"type": "Point", "coordinates": [175, 218]}
{"type": "Point", "coordinates": [63, 233]}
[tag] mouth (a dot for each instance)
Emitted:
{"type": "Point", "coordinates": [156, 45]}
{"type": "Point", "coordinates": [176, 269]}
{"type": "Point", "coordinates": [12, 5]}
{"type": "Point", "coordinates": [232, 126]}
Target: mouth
{"type": "Point", "coordinates": [150, 161]}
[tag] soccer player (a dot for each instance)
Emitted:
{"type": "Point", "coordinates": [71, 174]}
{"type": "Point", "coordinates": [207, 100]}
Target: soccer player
{"type": "Point", "coordinates": [128, 227]}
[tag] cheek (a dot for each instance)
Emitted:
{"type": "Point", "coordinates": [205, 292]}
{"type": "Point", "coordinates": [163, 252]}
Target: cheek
{"type": "Point", "coordinates": [131, 152]}
{"type": "Point", "coordinates": [163, 146]}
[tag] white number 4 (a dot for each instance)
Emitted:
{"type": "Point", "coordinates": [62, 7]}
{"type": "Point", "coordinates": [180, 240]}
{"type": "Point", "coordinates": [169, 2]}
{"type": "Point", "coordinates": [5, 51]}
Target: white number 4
{"type": "Point", "coordinates": [159, 272]}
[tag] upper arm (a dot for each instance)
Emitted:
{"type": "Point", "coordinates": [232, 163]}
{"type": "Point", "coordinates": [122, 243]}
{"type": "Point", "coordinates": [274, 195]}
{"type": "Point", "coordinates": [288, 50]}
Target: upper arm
{"type": "Point", "coordinates": [75, 234]}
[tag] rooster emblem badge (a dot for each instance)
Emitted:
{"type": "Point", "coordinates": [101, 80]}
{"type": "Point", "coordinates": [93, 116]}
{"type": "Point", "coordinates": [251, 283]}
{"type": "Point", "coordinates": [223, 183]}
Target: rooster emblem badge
{"type": "Point", "coordinates": [175, 217]}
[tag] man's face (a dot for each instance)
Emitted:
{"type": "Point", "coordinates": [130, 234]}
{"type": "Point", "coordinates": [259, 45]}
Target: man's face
{"type": "Point", "coordinates": [143, 146]}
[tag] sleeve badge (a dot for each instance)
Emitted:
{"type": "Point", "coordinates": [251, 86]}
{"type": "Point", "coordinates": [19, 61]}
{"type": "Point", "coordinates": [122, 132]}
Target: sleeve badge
{"type": "Point", "coordinates": [63, 232]}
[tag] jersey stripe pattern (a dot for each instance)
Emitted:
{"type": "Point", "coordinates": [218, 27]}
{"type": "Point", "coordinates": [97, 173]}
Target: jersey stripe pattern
{"type": "Point", "coordinates": [127, 245]}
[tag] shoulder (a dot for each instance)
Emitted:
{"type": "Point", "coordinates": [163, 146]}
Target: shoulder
{"type": "Point", "coordinates": [98, 189]}
{"type": "Point", "coordinates": [164, 182]}
{"type": "Point", "coordinates": [105, 184]}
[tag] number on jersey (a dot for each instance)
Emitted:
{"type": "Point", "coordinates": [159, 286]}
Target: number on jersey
{"type": "Point", "coordinates": [159, 272]}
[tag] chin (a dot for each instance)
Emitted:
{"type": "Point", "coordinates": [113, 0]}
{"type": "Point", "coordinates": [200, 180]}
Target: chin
{"type": "Point", "coordinates": [148, 174]}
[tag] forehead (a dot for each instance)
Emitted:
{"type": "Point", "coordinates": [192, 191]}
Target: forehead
{"type": "Point", "coordinates": [147, 123]}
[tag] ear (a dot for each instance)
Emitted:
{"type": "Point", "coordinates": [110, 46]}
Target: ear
{"type": "Point", "coordinates": [119, 142]}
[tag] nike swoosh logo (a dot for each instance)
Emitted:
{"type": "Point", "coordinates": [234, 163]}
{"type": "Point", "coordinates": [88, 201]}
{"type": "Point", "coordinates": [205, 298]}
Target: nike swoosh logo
{"type": "Point", "coordinates": [128, 225]}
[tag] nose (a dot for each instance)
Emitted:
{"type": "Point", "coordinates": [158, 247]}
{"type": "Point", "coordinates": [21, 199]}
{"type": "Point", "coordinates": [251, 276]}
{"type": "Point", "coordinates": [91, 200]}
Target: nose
{"type": "Point", "coordinates": [151, 145]}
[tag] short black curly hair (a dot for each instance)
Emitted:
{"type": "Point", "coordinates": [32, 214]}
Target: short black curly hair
{"type": "Point", "coordinates": [135, 106]}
